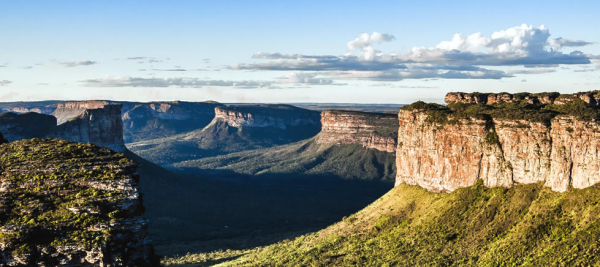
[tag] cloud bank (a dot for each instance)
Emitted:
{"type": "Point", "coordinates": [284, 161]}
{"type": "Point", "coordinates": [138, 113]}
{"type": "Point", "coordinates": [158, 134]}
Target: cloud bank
{"type": "Point", "coordinates": [70, 64]}
{"type": "Point", "coordinates": [5, 82]}
{"type": "Point", "coordinates": [170, 82]}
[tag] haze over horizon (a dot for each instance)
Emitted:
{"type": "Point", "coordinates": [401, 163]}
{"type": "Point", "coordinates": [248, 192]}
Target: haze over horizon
{"type": "Point", "coordinates": [334, 52]}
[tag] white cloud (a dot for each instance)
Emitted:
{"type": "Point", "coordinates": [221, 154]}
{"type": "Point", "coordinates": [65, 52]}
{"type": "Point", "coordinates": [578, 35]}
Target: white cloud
{"type": "Point", "coordinates": [462, 42]}
{"type": "Point", "coordinates": [560, 42]}
{"type": "Point", "coordinates": [168, 82]}
{"type": "Point", "coordinates": [70, 64]}
{"type": "Point", "coordinates": [364, 40]}
{"type": "Point", "coordinates": [5, 82]}
{"type": "Point", "coordinates": [305, 78]}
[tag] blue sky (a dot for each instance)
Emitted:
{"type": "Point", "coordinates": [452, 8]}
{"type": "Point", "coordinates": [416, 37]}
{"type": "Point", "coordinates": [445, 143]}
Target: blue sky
{"type": "Point", "coordinates": [309, 51]}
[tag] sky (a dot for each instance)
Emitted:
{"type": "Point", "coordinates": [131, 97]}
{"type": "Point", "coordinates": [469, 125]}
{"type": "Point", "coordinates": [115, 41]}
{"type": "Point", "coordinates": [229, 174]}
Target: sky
{"type": "Point", "coordinates": [392, 52]}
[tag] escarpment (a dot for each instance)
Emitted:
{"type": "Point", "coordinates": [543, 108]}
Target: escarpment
{"type": "Point", "coordinates": [278, 116]}
{"type": "Point", "coordinates": [502, 143]}
{"type": "Point", "coordinates": [162, 119]}
{"type": "Point", "coordinates": [66, 111]}
{"type": "Point", "coordinates": [100, 126]}
{"type": "Point", "coordinates": [25, 126]}
{"type": "Point", "coordinates": [70, 204]}
{"type": "Point", "coordinates": [370, 130]}
{"type": "Point", "coordinates": [591, 98]}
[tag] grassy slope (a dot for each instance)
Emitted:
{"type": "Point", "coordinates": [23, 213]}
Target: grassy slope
{"type": "Point", "coordinates": [527, 225]}
{"type": "Point", "coordinates": [304, 158]}
{"type": "Point", "coordinates": [216, 139]}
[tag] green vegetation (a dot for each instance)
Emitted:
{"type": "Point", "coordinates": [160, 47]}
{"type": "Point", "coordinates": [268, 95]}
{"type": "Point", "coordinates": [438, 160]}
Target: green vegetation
{"type": "Point", "coordinates": [477, 226]}
{"type": "Point", "coordinates": [304, 158]}
{"type": "Point", "coordinates": [50, 197]}
{"type": "Point", "coordinates": [518, 110]}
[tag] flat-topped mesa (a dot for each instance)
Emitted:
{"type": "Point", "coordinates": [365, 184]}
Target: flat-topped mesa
{"type": "Point", "coordinates": [445, 148]}
{"type": "Point", "coordinates": [70, 204]}
{"type": "Point", "coordinates": [591, 98]}
{"type": "Point", "coordinates": [279, 116]}
{"type": "Point", "coordinates": [370, 130]}
{"type": "Point", "coordinates": [100, 126]}
{"type": "Point", "coordinates": [153, 120]}
{"type": "Point", "coordinates": [66, 111]}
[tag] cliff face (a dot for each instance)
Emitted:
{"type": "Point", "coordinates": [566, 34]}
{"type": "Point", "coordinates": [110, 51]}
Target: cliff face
{"type": "Point", "coordinates": [70, 204]}
{"type": "Point", "coordinates": [370, 130]}
{"type": "Point", "coordinates": [563, 152]}
{"type": "Point", "coordinates": [66, 111]}
{"type": "Point", "coordinates": [162, 119]}
{"type": "Point", "coordinates": [590, 98]}
{"type": "Point", "coordinates": [278, 116]}
{"type": "Point", "coordinates": [25, 126]}
{"type": "Point", "coordinates": [100, 126]}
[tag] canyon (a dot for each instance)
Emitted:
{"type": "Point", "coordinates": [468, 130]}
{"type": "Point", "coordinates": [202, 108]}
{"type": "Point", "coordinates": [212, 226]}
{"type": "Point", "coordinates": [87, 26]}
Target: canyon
{"type": "Point", "coordinates": [563, 151]}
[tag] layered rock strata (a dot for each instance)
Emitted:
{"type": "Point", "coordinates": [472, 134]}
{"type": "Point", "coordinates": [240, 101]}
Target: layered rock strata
{"type": "Point", "coordinates": [370, 130]}
{"type": "Point", "coordinates": [591, 98]}
{"type": "Point", "coordinates": [101, 126]}
{"type": "Point", "coordinates": [66, 111]}
{"type": "Point", "coordinates": [70, 204]}
{"type": "Point", "coordinates": [278, 116]}
{"type": "Point", "coordinates": [442, 157]}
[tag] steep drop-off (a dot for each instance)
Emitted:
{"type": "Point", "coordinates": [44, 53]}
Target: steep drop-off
{"type": "Point", "coordinates": [66, 111]}
{"type": "Point", "coordinates": [162, 119]}
{"type": "Point", "coordinates": [446, 148]}
{"type": "Point", "coordinates": [100, 126]}
{"type": "Point", "coordinates": [234, 128]}
{"type": "Point", "coordinates": [351, 145]}
{"type": "Point", "coordinates": [70, 204]}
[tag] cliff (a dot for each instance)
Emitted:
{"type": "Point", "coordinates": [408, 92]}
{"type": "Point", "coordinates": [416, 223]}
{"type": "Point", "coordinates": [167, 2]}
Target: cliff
{"type": "Point", "coordinates": [25, 126]}
{"type": "Point", "coordinates": [591, 98]}
{"type": "Point", "coordinates": [370, 130]}
{"type": "Point", "coordinates": [162, 119]}
{"type": "Point", "coordinates": [66, 111]}
{"type": "Point", "coordinates": [70, 204]}
{"type": "Point", "coordinates": [446, 148]}
{"type": "Point", "coordinates": [101, 126]}
{"type": "Point", "coordinates": [278, 116]}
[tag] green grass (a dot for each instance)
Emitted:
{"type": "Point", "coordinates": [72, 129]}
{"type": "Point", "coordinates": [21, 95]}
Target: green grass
{"type": "Point", "coordinates": [527, 225]}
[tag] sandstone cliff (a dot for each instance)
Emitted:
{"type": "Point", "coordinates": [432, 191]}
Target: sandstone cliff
{"type": "Point", "coordinates": [278, 116]}
{"type": "Point", "coordinates": [370, 130]}
{"type": "Point", "coordinates": [590, 98]}
{"type": "Point", "coordinates": [100, 126]}
{"type": "Point", "coordinates": [66, 111]}
{"type": "Point", "coordinates": [25, 126]}
{"type": "Point", "coordinates": [70, 204]}
{"type": "Point", "coordinates": [162, 119]}
{"type": "Point", "coordinates": [443, 150]}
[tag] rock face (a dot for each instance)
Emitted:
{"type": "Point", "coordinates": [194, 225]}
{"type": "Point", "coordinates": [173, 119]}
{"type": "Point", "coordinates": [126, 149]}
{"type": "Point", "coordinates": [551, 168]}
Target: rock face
{"type": "Point", "coordinates": [442, 157]}
{"type": "Point", "coordinates": [100, 126]}
{"type": "Point", "coordinates": [371, 130]}
{"type": "Point", "coordinates": [66, 111]}
{"type": "Point", "coordinates": [162, 119]}
{"type": "Point", "coordinates": [70, 204]}
{"type": "Point", "coordinates": [591, 98]}
{"type": "Point", "coordinates": [24, 126]}
{"type": "Point", "coordinates": [278, 116]}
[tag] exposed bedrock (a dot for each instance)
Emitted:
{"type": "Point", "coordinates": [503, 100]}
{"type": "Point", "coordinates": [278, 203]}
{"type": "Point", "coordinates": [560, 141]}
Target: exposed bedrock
{"type": "Point", "coordinates": [371, 130]}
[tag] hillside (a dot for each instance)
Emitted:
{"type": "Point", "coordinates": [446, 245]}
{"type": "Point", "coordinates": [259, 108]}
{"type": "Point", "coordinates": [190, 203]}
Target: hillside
{"type": "Point", "coordinates": [234, 128]}
{"type": "Point", "coordinates": [66, 203]}
{"type": "Point", "coordinates": [528, 225]}
{"type": "Point", "coordinates": [306, 158]}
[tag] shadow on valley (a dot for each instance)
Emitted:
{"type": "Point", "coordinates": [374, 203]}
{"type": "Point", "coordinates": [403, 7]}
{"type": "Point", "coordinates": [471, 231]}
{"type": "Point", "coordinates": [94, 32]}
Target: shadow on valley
{"type": "Point", "coordinates": [230, 211]}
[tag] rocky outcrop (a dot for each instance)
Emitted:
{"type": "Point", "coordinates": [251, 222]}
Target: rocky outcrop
{"type": "Point", "coordinates": [25, 126]}
{"type": "Point", "coordinates": [70, 204]}
{"type": "Point", "coordinates": [42, 110]}
{"type": "Point", "coordinates": [370, 130]}
{"type": "Point", "coordinates": [591, 98]}
{"type": "Point", "coordinates": [162, 119]}
{"type": "Point", "coordinates": [100, 126]}
{"type": "Point", "coordinates": [444, 156]}
{"type": "Point", "coordinates": [66, 111]}
{"type": "Point", "coordinates": [260, 116]}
